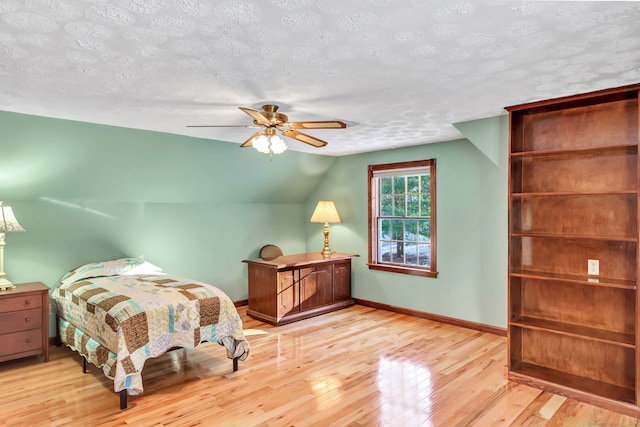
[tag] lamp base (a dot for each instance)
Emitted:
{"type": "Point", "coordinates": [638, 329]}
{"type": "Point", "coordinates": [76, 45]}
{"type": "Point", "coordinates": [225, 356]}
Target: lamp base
{"type": "Point", "coordinates": [5, 284]}
{"type": "Point", "coordinates": [326, 252]}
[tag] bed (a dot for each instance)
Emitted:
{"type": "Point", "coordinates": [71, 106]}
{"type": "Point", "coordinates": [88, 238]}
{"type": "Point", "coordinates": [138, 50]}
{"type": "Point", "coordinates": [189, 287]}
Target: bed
{"type": "Point", "coordinates": [118, 314]}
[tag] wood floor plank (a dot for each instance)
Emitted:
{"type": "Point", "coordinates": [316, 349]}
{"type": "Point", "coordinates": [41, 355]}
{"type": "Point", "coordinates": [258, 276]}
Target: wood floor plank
{"type": "Point", "coordinates": [355, 367]}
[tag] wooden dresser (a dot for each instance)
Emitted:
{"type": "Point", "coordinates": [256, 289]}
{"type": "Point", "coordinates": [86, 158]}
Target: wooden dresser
{"type": "Point", "coordinates": [295, 287]}
{"type": "Point", "coordinates": [24, 321]}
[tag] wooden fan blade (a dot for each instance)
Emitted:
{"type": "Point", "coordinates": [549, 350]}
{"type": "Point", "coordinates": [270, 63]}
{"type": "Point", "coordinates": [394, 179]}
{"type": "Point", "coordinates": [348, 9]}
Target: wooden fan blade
{"type": "Point", "coordinates": [257, 116]}
{"type": "Point", "coordinates": [247, 143]}
{"type": "Point", "coordinates": [307, 139]}
{"type": "Point", "coordinates": [329, 124]}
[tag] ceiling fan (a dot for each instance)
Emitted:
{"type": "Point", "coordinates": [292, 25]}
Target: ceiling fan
{"type": "Point", "coordinates": [270, 120]}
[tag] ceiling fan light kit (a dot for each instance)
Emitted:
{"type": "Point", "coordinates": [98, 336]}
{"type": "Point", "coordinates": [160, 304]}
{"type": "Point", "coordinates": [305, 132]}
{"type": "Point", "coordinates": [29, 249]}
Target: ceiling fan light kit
{"type": "Point", "coordinates": [266, 141]}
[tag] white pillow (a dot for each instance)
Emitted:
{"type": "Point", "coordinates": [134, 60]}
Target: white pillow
{"type": "Point", "coordinates": [116, 267]}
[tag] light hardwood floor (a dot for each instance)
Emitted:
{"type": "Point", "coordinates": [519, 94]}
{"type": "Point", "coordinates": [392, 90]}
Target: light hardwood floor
{"type": "Point", "coordinates": [355, 367]}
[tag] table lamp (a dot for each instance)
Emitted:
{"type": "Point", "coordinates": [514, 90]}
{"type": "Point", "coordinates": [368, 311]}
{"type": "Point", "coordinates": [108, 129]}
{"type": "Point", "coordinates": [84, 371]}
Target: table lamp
{"type": "Point", "coordinates": [8, 224]}
{"type": "Point", "coordinates": [325, 212]}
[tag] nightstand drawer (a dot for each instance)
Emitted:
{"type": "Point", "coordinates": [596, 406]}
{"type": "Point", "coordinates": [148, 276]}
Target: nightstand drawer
{"type": "Point", "coordinates": [21, 320]}
{"type": "Point", "coordinates": [20, 302]}
{"type": "Point", "coordinates": [19, 342]}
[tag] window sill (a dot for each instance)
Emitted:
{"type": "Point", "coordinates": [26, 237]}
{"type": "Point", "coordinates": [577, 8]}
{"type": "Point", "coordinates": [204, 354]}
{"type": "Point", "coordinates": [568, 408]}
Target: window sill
{"type": "Point", "coordinates": [403, 270]}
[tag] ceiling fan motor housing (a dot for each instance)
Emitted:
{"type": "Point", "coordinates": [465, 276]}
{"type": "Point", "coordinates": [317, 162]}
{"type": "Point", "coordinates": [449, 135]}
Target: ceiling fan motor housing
{"type": "Point", "coordinates": [270, 112]}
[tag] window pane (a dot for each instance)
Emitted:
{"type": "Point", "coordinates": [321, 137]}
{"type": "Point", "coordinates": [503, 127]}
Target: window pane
{"type": "Point", "coordinates": [413, 184]}
{"type": "Point", "coordinates": [413, 208]}
{"type": "Point", "coordinates": [424, 255]}
{"type": "Point", "coordinates": [398, 184]}
{"type": "Point", "coordinates": [385, 229]}
{"type": "Point", "coordinates": [398, 205]}
{"type": "Point", "coordinates": [424, 231]}
{"type": "Point", "coordinates": [425, 184]}
{"type": "Point", "coordinates": [397, 230]}
{"type": "Point", "coordinates": [384, 251]}
{"type": "Point", "coordinates": [410, 230]}
{"type": "Point", "coordinates": [397, 255]}
{"type": "Point", "coordinates": [385, 185]}
{"type": "Point", "coordinates": [410, 254]}
{"type": "Point", "coordinates": [425, 205]}
{"type": "Point", "coordinates": [386, 206]}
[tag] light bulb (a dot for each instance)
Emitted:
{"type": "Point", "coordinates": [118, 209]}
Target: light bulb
{"type": "Point", "coordinates": [277, 145]}
{"type": "Point", "coordinates": [261, 144]}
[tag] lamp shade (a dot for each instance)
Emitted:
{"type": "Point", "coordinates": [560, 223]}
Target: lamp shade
{"type": "Point", "coordinates": [8, 221]}
{"type": "Point", "coordinates": [325, 212]}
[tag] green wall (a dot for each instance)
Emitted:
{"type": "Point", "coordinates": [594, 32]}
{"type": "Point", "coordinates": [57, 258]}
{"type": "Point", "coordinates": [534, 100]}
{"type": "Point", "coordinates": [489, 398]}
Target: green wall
{"type": "Point", "coordinates": [471, 198]}
{"type": "Point", "coordinates": [197, 208]}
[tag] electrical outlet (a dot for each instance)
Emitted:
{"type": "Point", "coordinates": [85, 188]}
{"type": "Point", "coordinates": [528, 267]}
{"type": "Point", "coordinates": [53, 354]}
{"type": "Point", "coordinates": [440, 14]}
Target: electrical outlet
{"type": "Point", "coordinates": [593, 267]}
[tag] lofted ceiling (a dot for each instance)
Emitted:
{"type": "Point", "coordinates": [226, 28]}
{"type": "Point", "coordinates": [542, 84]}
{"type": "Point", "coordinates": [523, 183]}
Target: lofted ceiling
{"type": "Point", "coordinates": [400, 72]}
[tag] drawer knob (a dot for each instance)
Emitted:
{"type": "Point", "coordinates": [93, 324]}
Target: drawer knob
{"type": "Point", "coordinates": [27, 319]}
{"type": "Point", "coordinates": [28, 340]}
{"type": "Point", "coordinates": [27, 302]}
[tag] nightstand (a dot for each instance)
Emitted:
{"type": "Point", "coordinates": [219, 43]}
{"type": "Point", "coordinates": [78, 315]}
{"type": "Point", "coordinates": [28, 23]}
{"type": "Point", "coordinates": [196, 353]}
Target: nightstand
{"type": "Point", "coordinates": [24, 321]}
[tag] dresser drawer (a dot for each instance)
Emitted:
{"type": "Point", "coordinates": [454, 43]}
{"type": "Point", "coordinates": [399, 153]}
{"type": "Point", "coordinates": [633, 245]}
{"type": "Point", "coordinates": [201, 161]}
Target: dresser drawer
{"type": "Point", "coordinates": [19, 342]}
{"type": "Point", "coordinates": [21, 320]}
{"type": "Point", "coordinates": [20, 302]}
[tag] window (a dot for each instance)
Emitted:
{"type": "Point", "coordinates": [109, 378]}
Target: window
{"type": "Point", "coordinates": [402, 217]}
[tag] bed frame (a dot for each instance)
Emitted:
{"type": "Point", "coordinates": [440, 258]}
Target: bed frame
{"type": "Point", "coordinates": [123, 393]}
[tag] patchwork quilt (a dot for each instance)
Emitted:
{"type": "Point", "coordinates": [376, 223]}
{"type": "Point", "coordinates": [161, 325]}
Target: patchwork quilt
{"type": "Point", "coordinates": [118, 322]}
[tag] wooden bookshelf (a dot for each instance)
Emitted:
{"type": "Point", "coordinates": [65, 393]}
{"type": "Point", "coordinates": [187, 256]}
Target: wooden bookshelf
{"type": "Point", "coordinates": [573, 197]}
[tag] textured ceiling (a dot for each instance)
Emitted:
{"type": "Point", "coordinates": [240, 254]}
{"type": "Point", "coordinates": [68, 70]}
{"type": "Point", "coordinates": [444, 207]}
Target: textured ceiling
{"type": "Point", "coordinates": [400, 71]}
